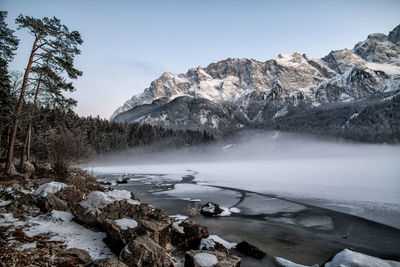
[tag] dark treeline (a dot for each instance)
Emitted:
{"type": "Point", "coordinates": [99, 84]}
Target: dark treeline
{"type": "Point", "coordinates": [370, 120]}
{"type": "Point", "coordinates": [102, 136]}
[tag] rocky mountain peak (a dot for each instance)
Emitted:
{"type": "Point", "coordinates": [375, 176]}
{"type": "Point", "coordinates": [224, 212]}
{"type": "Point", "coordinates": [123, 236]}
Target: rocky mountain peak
{"type": "Point", "coordinates": [394, 35]}
{"type": "Point", "coordinates": [378, 48]}
{"type": "Point", "coordinates": [341, 60]}
{"type": "Point", "coordinates": [239, 92]}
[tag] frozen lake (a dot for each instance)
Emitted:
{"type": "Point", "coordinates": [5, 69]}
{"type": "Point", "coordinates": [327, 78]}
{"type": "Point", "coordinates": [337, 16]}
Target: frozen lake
{"type": "Point", "coordinates": [357, 179]}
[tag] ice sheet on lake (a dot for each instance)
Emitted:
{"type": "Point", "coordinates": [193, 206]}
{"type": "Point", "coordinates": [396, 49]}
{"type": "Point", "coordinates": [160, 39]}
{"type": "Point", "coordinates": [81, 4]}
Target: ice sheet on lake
{"type": "Point", "coordinates": [321, 222]}
{"type": "Point", "coordinates": [204, 193]}
{"type": "Point", "coordinates": [255, 204]}
{"type": "Point", "coordinates": [364, 176]}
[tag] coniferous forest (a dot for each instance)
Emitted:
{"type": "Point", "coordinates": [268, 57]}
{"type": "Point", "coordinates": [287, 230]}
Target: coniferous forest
{"type": "Point", "coordinates": [36, 115]}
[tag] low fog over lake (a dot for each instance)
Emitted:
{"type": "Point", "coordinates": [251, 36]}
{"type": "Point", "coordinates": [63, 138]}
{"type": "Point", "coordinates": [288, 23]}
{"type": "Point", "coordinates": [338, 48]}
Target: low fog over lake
{"type": "Point", "coordinates": [358, 179]}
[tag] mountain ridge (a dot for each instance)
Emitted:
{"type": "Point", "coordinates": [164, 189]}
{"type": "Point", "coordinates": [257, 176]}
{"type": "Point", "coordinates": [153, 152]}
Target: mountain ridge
{"type": "Point", "coordinates": [238, 93]}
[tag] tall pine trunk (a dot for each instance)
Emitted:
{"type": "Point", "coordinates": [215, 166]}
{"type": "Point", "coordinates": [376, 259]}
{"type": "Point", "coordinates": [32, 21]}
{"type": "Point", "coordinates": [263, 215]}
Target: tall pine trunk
{"type": "Point", "coordinates": [10, 153]}
{"type": "Point", "coordinates": [27, 142]}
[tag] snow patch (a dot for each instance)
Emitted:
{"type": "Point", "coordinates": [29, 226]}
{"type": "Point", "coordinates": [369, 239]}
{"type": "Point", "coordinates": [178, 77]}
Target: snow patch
{"type": "Point", "coordinates": [281, 113]}
{"type": "Point", "coordinates": [126, 224]}
{"type": "Point", "coordinates": [4, 202]}
{"type": "Point", "coordinates": [226, 244]}
{"type": "Point", "coordinates": [225, 212]}
{"type": "Point", "coordinates": [49, 188]}
{"type": "Point", "coordinates": [97, 200]}
{"type": "Point", "coordinates": [176, 225]}
{"type": "Point", "coordinates": [386, 68]}
{"type": "Point", "coordinates": [179, 217]}
{"type": "Point", "coordinates": [27, 246]}
{"type": "Point", "coordinates": [205, 259]}
{"type": "Point", "coordinates": [234, 210]}
{"type": "Point", "coordinates": [62, 228]}
{"type": "Point", "coordinates": [207, 243]}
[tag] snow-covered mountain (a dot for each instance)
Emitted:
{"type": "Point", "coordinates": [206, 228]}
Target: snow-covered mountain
{"type": "Point", "coordinates": [236, 93]}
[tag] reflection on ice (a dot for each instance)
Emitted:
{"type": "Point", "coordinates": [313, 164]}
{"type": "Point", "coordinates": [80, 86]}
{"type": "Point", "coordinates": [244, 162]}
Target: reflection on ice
{"type": "Point", "coordinates": [321, 222]}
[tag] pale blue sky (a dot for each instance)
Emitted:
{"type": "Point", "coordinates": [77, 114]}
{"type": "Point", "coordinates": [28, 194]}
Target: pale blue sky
{"type": "Point", "coordinates": [127, 44]}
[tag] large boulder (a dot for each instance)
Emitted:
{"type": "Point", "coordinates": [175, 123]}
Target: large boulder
{"type": "Point", "coordinates": [200, 258]}
{"type": "Point", "coordinates": [107, 262]}
{"type": "Point", "coordinates": [159, 231]}
{"type": "Point", "coordinates": [143, 252]}
{"type": "Point", "coordinates": [99, 206]}
{"type": "Point", "coordinates": [58, 196]}
{"type": "Point", "coordinates": [250, 250]}
{"type": "Point", "coordinates": [210, 209]}
{"type": "Point", "coordinates": [120, 232]}
{"type": "Point", "coordinates": [117, 204]}
{"type": "Point", "coordinates": [188, 234]}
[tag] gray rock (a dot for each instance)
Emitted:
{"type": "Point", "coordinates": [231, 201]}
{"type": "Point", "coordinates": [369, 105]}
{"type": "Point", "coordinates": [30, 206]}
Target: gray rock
{"type": "Point", "coordinates": [143, 251]}
{"type": "Point", "coordinates": [377, 48]}
{"type": "Point", "coordinates": [210, 209]}
{"type": "Point", "coordinates": [394, 35]}
{"type": "Point", "coordinates": [189, 236]}
{"type": "Point", "coordinates": [66, 199]}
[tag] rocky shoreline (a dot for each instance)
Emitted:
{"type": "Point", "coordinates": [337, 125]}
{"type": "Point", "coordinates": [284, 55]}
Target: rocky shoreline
{"type": "Point", "coordinates": [137, 233]}
{"type": "Point", "coordinates": [81, 221]}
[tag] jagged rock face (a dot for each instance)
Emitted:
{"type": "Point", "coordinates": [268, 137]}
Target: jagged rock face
{"type": "Point", "coordinates": [394, 35]}
{"type": "Point", "coordinates": [342, 60]}
{"type": "Point", "coordinates": [378, 48]}
{"type": "Point", "coordinates": [236, 93]}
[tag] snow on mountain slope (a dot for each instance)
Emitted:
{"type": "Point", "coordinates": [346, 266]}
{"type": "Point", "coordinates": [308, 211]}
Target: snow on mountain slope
{"type": "Point", "coordinates": [236, 93]}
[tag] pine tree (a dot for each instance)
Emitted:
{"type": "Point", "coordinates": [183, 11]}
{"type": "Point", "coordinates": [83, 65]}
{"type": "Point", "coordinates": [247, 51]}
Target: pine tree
{"type": "Point", "coordinates": [8, 44]}
{"type": "Point", "coordinates": [53, 52]}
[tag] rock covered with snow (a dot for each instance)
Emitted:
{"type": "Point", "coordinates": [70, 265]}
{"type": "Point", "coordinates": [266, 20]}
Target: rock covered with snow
{"type": "Point", "coordinates": [210, 244]}
{"type": "Point", "coordinates": [210, 209]}
{"type": "Point", "coordinates": [205, 259]}
{"type": "Point", "coordinates": [49, 188]}
{"type": "Point", "coordinates": [98, 200]}
{"type": "Point", "coordinates": [199, 258]}
{"type": "Point", "coordinates": [63, 198]}
{"type": "Point", "coordinates": [188, 234]}
{"type": "Point", "coordinates": [351, 258]}
{"type": "Point", "coordinates": [126, 223]}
